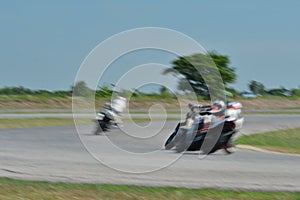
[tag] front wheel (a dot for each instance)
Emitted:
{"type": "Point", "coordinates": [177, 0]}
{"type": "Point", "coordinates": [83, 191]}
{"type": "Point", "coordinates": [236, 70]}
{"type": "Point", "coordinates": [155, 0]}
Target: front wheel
{"type": "Point", "coordinates": [170, 143]}
{"type": "Point", "coordinates": [98, 129]}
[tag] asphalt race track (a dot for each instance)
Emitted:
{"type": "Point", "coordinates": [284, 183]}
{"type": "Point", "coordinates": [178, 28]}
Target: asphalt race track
{"type": "Point", "coordinates": [136, 156]}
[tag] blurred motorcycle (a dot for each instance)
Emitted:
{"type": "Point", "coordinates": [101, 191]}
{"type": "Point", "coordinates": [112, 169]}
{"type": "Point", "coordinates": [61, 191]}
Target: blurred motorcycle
{"type": "Point", "coordinates": [215, 124]}
{"type": "Point", "coordinates": [105, 120]}
{"type": "Point", "coordinates": [110, 117]}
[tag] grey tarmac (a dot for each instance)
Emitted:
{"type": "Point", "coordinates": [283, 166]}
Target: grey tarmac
{"type": "Point", "coordinates": [135, 156]}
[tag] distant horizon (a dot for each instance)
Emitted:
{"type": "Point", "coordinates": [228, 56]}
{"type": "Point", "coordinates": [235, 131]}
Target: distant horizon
{"type": "Point", "coordinates": [70, 89]}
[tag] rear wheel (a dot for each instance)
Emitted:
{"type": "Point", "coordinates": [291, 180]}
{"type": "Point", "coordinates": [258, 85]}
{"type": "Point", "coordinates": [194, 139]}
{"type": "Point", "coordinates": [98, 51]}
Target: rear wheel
{"type": "Point", "coordinates": [230, 149]}
{"type": "Point", "coordinates": [230, 146]}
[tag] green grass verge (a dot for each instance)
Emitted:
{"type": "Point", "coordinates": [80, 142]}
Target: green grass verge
{"type": "Point", "coordinates": [38, 122]}
{"type": "Point", "coordinates": [272, 113]}
{"type": "Point", "coordinates": [148, 120]}
{"type": "Point", "coordinates": [14, 189]}
{"type": "Point", "coordinates": [44, 122]}
{"type": "Point", "coordinates": [285, 141]}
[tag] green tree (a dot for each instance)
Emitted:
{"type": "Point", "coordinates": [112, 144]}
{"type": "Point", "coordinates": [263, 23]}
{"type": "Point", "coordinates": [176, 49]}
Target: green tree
{"type": "Point", "coordinates": [296, 92]}
{"type": "Point", "coordinates": [209, 65]}
{"type": "Point", "coordinates": [104, 91]}
{"type": "Point", "coordinates": [81, 89]}
{"type": "Point", "coordinates": [164, 92]}
{"type": "Point", "coordinates": [282, 91]}
{"type": "Point", "coordinates": [256, 87]}
{"type": "Point", "coordinates": [16, 91]}
{"type": "Point", "coordinates": [184, 85]}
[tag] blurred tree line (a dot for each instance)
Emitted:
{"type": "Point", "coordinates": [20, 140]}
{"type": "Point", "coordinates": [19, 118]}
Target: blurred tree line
{"type": "Point", "coordinates": [259, 89]}
{"type": "Point", "coordinates": [26, 91]}
{"type": "Point", "coordinates": [199, 73]}
{"type": "Point", "coordinates": [81, 89]}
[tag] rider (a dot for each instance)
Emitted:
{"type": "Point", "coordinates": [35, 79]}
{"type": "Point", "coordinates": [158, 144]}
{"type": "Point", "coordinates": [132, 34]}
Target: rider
{"type": "Point", "coordinates": [190, 116]}
{"type": "Point", "coordinates": [118, 106]}
{"type": "Point", "coordinates": [218, 105]}
{"type": "Point", "coordinates": [218, 108]}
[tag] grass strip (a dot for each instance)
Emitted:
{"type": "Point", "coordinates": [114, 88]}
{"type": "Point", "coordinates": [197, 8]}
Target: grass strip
{"type": "Point", "coordinates": [285, 141]}
{"type": "Point", "coordinates": [15, 189]}
{"type": "Point", "coordinates": [272, 113]}
{"type": "Point", "coordinates": [38, 122]}
{"type": "Point", "coordinates": [45, 122]}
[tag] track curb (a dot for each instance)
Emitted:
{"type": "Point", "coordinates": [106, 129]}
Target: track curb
{"type": "Point", "coordinates": [253, 148]}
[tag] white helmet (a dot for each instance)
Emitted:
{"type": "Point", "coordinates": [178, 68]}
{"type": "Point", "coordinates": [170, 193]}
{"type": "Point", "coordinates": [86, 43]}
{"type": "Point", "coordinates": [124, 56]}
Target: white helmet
{"type": "Point", "coordinates": [219, 104]}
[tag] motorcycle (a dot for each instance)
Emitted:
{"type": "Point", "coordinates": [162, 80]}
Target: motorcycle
{"type": "Point", "coordinates": [105, 119]}
{"type": "Point", "coordinates": [218, 128]}
{"type": "Point", "coordinates": [110, 117]}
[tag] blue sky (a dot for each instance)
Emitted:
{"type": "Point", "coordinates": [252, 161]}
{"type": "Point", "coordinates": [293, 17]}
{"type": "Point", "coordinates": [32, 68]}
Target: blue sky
{"type": "Point", "coordinates": [43, 43]}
